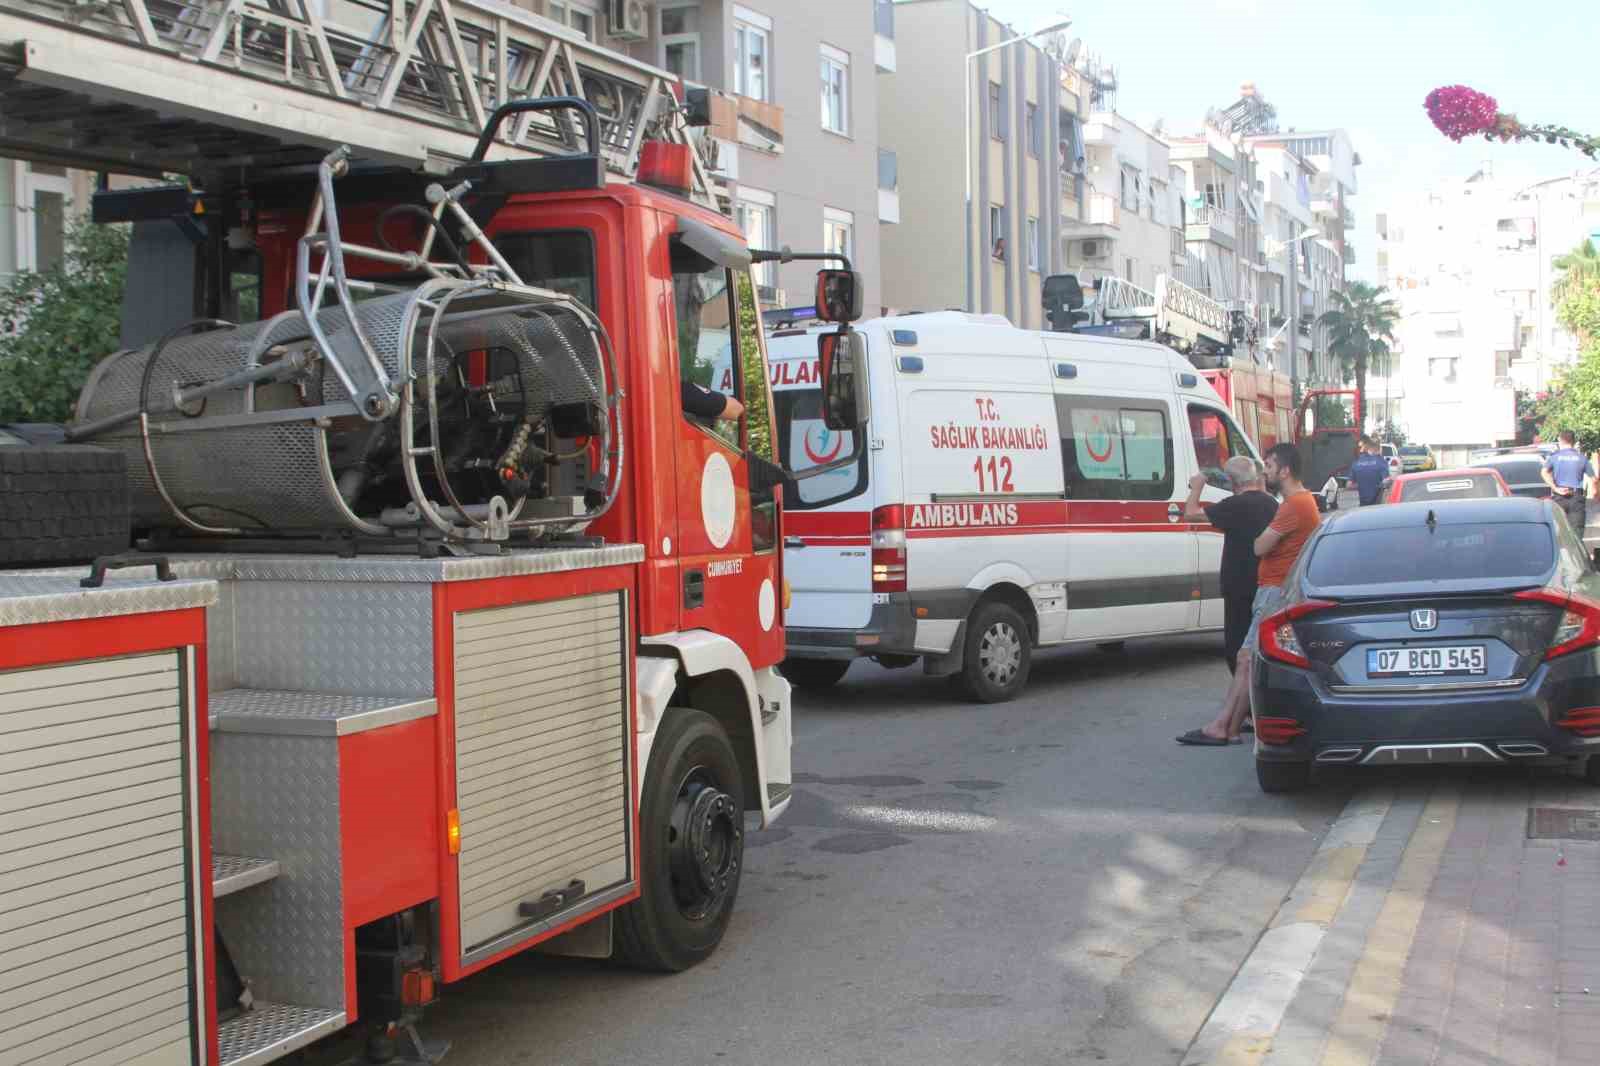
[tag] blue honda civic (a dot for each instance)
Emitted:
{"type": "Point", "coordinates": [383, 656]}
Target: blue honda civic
{"type": "Point", "coordinates": [1452, 631]}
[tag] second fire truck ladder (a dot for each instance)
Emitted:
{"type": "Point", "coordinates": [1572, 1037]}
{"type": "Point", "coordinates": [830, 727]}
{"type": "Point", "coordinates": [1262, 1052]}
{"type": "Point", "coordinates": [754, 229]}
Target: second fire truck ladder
{"type": "Point", "coordinates": [199, 87]}
{"type": "Point", "coordinates": [1180, 316]}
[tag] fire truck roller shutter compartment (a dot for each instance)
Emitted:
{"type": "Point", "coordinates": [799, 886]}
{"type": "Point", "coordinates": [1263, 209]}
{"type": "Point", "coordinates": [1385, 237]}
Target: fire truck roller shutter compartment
{"type": "Point", "coordinates": [542, 739]}
{"type": "Point", "coordinates": [101, 760]}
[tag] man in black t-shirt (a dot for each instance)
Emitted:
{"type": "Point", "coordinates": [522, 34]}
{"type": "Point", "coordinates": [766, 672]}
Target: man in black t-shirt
{"type": "Point", "coordinates": [1241, 517]}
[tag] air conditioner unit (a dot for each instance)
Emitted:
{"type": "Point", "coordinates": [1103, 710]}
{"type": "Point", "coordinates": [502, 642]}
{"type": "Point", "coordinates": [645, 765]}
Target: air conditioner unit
{"type": "Point", "coordinates": [1096, 249]}
{"type": "Point", "coordinates": [629, 20]}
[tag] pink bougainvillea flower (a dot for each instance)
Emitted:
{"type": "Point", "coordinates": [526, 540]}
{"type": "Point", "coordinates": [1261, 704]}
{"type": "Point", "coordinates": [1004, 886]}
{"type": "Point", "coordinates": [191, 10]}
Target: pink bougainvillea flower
{"type": "Point", "coordinates": [1460, 112]}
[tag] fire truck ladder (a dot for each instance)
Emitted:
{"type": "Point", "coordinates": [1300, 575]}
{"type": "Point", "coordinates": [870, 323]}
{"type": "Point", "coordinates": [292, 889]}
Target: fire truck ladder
{"type": "Point", "coordinates": [197, 87]}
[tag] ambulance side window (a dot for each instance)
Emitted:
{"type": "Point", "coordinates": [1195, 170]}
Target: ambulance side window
{"type": "Point", "coordinates": [1216, 440]}
{"type": "Point", "coordinates": [703, 304]}
{"type": "Point", "coordinates": [1114, 449]}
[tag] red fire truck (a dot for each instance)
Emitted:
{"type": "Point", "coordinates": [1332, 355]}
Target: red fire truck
{"type": "Point", "coordinates": [453, 631]}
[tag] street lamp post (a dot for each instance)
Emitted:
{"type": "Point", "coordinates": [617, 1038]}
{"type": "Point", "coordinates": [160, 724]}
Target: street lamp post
{"type": "Point", "coordinates": [1281, 246]}
{"type": "Point", "coordinates": [967, 125]}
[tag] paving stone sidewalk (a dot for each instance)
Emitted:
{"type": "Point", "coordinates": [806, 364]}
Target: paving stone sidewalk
{"type": "Point", "coordinates": [1445, 936]}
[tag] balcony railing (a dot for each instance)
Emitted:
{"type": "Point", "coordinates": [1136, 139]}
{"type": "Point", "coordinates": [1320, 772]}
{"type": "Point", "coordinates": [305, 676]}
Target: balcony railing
{"type": "Point", "coordinates": [1103, 210]}
{"type": "Point", "coordinates": [1210, 217]}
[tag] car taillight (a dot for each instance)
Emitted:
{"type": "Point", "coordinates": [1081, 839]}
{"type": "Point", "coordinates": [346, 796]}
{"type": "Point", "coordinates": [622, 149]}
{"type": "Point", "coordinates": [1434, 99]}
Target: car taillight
{"type": "Point", "coordinates": [1580, 620]}
{"type": "Point", "coordinates": [888, 549]}
{"type": "Point", "coordinates": [1278, 640]}
{"type": "Point", "coordinates": [1584, 721]}
{"type": "Point", "coordinates": [1278, 730]}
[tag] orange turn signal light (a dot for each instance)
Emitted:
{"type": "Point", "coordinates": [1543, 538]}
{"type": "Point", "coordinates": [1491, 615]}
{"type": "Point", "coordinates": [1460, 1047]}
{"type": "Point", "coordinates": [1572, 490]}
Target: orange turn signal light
{"type": "Point", "coordinates": [452, 831]}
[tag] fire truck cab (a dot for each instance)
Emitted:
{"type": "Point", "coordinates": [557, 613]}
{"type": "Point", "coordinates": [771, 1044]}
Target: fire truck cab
{"type": "Point", "coordinates": [452, 633]}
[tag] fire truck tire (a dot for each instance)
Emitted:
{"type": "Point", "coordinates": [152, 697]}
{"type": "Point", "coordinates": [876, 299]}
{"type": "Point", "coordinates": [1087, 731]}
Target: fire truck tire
{"type": "Point", "coordinates": [61, 503]}
{"type": "Point", "coordinates": [691, 848]}
{"type": "Point", "coordinates": [998, 653]}
{"type": "Point", "coordinates": [815, 673]}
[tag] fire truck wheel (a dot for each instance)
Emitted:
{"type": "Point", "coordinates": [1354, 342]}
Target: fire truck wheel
{"type": "Point", "coordinates": [815, 673]}
{"type": "Point", "coordinates": [998, 653]}
{"type": "Point", "coordinates": [691, 823]}
{"type": "Point", "coordinates": [60, 503]}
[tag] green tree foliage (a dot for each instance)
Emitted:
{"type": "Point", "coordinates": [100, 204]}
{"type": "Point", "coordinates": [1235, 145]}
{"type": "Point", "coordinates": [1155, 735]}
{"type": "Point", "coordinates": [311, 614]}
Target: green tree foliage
{"type": "Point", "coordinates": [1575, 402]}
{"type": "Point", "coordinates": [1360, 329]}
{"type": "Point", "coordinates": [1580, 272]}
{"type": "Point", "coordinates": [58, 323]}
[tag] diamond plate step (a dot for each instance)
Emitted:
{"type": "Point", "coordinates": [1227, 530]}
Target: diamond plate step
{"type": "Point", "coordinates": [271, 1031]}
{"type": "Point", "coordinates": [230, 873]}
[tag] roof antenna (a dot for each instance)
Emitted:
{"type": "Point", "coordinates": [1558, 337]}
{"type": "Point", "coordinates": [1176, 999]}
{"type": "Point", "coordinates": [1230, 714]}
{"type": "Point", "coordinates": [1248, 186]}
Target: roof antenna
{"type": "Point", "coordinates": [1432, 521]}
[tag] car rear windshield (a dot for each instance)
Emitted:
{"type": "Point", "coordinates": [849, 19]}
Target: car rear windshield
{"type": "Point", "coordinates": [1520, 471]}
{"type": "Point", "coordinates": [1464, 487]}
{"type": "Point", "coordinates": [1412, 554]}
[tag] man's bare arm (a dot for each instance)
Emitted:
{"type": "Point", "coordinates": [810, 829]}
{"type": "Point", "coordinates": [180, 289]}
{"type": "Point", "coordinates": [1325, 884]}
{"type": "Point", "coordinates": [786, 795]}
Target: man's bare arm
{"type": "Point", "coordinates": [1269, 539]}
{"type": "Point", "coordinates": [1191, 507]}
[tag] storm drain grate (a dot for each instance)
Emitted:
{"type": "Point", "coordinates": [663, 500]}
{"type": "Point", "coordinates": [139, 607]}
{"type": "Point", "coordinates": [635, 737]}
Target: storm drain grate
{"type": "Point", "coordinates": [1562, 823]}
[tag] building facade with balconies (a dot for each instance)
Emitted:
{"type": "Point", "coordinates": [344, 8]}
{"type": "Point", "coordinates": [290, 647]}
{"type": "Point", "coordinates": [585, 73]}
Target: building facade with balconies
{"type": "Point", "coordinates": [981, 237]}
{"type": "Point", "coordinates": [794, 120]}
{"type": "Point", "coordinates": [1132, 205]}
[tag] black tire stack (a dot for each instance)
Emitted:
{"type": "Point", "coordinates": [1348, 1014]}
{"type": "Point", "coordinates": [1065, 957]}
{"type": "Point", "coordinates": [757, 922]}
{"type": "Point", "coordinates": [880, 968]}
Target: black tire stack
{"type": "Point", "coordinates": [59, 503]}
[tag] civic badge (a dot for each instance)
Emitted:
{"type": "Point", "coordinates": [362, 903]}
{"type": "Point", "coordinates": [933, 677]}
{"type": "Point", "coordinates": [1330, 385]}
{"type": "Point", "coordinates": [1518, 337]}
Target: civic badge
{"type": "Point", "coordinates": [1424, 619]}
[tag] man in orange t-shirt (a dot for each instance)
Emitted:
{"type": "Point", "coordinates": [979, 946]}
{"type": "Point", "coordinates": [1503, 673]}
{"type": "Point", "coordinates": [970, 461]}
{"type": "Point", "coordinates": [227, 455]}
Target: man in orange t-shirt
{"type": "Point", "coordinates": [1278, 547]}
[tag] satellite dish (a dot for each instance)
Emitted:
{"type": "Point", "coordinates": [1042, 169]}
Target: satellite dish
{"type": "Point", "coordinates": [1072, 51]}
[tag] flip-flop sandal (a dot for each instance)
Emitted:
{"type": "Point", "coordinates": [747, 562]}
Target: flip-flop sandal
{"type": "Point", "coordinates": [1199, 738]}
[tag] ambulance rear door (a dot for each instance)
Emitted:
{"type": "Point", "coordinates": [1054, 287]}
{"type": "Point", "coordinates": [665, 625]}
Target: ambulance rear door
{"type": "Point", "coordinates": [827, 543]}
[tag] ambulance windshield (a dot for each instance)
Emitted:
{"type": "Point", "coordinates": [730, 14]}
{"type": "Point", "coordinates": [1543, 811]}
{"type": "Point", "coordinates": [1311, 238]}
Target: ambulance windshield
{"type": "Point", "coordinates": [804, 440]}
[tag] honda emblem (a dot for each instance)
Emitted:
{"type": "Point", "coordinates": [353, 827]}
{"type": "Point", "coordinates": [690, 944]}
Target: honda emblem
{"type": "Point", "coordinates": [1424, 619]}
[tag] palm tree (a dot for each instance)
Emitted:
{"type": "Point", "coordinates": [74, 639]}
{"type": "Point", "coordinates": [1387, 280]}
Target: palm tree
{"type": "Point", "coordinates": [1360, 326]}
{"type": "Point", "coordinates": [1580, 270]}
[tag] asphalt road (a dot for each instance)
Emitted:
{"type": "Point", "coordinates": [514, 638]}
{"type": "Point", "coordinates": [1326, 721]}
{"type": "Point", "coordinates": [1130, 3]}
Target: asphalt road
{"type": "Point", "coordinates": [1047, 881]}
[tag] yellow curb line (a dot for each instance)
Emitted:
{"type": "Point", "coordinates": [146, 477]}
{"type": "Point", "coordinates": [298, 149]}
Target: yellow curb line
{"type": "Point", "coordinates": [1374, 987]}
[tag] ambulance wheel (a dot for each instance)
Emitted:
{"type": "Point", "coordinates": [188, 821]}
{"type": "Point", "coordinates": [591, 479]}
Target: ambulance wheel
{"type": "Point", "coordinates": [815, 673]}
{"type": "Point", "coordinates": [998, 653]}
{"type": "Point", "coordinates": [691, 848]}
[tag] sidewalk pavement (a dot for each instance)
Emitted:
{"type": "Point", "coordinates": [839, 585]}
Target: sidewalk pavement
{"type": "Point", "coordinates": [1449, 917]}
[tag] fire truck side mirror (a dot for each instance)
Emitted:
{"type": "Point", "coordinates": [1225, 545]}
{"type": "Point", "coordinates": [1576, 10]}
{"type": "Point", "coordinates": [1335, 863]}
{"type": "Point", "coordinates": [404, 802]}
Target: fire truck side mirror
{"type": "Point", "coordinates": [839, 294]}
{"type": "Point", "coordinates": [842, 366]}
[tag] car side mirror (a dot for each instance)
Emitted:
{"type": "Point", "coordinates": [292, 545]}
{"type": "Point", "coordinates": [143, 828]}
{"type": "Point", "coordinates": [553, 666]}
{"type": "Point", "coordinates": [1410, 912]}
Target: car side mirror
{"type": "Point", "coordinates": [842, 368]}
{"type": "Point", "coordinates": [839, 295]}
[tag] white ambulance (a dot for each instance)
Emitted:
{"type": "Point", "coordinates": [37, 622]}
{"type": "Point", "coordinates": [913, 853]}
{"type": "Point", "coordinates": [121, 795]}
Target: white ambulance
{"type": "Point", "coordinates": [1021, 489]}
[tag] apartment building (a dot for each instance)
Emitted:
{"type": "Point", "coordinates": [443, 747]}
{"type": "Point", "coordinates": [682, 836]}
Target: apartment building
{"type": "Point", "coordinates": [795, 118]}
{"type": "Point", "coordinates": [982, 237]}
{"type": "Point", "coordinates": [1131, 225]}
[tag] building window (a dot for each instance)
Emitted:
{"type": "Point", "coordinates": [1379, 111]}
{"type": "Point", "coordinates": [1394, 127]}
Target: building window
{"type": "Point", "coordinates": [1158, 202]}
{"type": "Point", "coordinates": [835, 90]}
{"type": "Point", "coordinates": [1442, 369]}
{"type": "Point", "coordinates": [997, 113]}
{"type": "Point", "coordinates": [577, 15]}
{"type": "Point", "coordinates": [752, 39]}
{"type": "Point", "coordinates": [679, 32]}
{"type": "Point", "coordinates": [888, 170]}
{"type": "Point", "coordinates": [997, 231]}
{"type": "Point", "coordinates": [1035, 132]}
{"type": "Point", "coordinates": [838, 231]}
{"type": "Point", "coordinates": [1130, 190]}
{"type": "Point", "coordinates": [754, 210]}
{"type": "Point", "coordinates": [1127, 270]}
{"type": "Point", "coordinates": [1035, 252]}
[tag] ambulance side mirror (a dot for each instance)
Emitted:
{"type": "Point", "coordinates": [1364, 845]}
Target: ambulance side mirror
{"type": "Point", "coordinates": [839, 295]}
{"type": "Point", "coordinates": [842, 367]}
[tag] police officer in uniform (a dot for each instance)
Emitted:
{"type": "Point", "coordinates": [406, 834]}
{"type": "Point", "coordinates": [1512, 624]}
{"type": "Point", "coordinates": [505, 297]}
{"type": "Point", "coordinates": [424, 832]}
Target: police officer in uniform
{"type": "Point", "coordinates": [1564, 472]}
